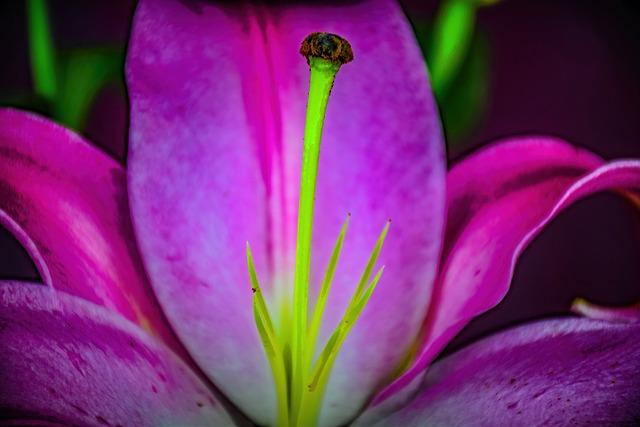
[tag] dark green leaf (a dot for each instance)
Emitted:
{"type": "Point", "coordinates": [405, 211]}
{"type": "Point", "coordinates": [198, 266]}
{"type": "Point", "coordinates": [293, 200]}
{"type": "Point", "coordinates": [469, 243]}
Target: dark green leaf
{"type": "Point", "coordinates": [41, 50]}
{"type": "Point", "coordinates": [84, 73]}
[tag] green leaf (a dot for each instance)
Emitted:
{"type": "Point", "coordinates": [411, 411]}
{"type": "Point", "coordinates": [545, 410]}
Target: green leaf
{"type": "Point", "coordinates": [463, 102]}
{"type": "Point", "coordinates": [41, 50]}
{"type": "Point", "coordinates": [84, 73]}
{"type": "Point", "coordinates": [450, 41]}
{"type": "Point", "coordinates": [452, 34]}
{"type": "Point", "coordinates": [25, 101]}
{"type": "Point", "coordinates": [466, 101]}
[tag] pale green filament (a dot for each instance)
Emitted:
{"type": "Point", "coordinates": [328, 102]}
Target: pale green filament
{"type": "Point", "coordinates": [322, 368]}
{"type": "Point", "coordinates": [372, 261]}
{"type": "Point", "coordinates": [323, 294]}
{"type": "Point", "coordinates": [272, 347]}
{"type": "Point", "coordinates": [300, 382]}
{"type": "Point", "coordinates": [358, 300]}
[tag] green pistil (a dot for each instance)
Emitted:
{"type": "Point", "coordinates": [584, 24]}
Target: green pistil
{"type": "Point", "coordinates": [323, 73]}
{"type": "Point", "coordinates": [299, 382]}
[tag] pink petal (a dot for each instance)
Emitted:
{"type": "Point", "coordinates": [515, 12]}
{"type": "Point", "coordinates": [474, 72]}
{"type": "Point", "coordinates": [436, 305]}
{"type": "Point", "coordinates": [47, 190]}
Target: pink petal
{"type": "Point", "coordinates": [66, 202]}
{"type": "Point", "coordinates": [498, 200]}
{"type": "Point", "coordinates": [69, 361]}
{"type": "Point", "coordinates": [552, 373]}
{"type": "Point", "coordinates": [218, 98]}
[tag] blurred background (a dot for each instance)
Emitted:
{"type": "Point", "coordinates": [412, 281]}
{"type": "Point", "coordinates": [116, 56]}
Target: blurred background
{"type": "Point", "coordinates": [568, 68]}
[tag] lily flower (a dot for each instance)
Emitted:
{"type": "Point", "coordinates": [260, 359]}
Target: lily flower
{"type": "Point", "coordinates": [152, 310]}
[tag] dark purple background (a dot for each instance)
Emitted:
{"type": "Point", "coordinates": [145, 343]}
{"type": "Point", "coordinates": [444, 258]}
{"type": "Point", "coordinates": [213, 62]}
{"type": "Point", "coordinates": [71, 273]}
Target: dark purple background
{"type": "Point", "coordinates": [563, 67]}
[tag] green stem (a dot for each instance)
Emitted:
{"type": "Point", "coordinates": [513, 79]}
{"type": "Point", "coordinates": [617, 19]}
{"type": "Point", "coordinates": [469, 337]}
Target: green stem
{"type": "Point", "coordinates": [42, 51]}
{"type": "Point", "coordinates": [323, 73]}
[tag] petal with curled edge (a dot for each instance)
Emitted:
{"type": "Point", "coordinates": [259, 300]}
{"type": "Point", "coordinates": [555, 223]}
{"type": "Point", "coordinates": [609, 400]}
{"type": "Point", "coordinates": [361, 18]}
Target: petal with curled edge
{"type": "Point", "coordinates": [627, 314]}
{"type": "Point", "coordinates": [66, 202]}
{"type": "Point", "coordinates": [553, 373]}
{"type": "Point", "coordinates": [498, 200]}
{"type": "Point", "coordinates": [218, 94]}
{"type": "Point", "coordinates": [70, 361]}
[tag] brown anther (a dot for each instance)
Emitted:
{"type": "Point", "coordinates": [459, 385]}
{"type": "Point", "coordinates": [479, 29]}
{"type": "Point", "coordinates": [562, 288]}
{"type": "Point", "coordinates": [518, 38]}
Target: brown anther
{"type": "Point", "coordinates": [327, 46]}
{"type": "Point", "coordinates": [254, 290]}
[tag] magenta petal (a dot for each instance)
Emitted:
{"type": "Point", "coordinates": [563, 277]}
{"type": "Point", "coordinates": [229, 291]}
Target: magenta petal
{"type": "Point", "coordinates": [66, 202]}
{"type": "Point", "coordinates": [69, 361]}
{"type": "Point", "coordinates": [555, 372]}
{"type": "Point", "coordinates": [498, 200]}
{"type": "Point", "coordinates": [218, 95]}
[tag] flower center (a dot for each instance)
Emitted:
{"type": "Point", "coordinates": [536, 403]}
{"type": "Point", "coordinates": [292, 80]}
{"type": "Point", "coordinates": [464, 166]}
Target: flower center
{"type": "Point", "coordinates": [300, 381]}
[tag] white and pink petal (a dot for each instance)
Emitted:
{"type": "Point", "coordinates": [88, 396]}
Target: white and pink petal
{"type": "Point", "coordinates": [218, 96]}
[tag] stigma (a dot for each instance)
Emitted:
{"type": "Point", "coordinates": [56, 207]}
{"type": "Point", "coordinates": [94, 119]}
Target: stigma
{"type": "Point", "coordinates": [327, 46]}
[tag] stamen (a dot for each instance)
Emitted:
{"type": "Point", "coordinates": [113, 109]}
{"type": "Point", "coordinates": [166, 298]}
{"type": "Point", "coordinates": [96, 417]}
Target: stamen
{"type": "Point", "coordinates": [372, 260]}
{"type": "Point", "coordinates": [270, 342]}
{"type": "Point", "coordinates": [312, 399]}
{"type": "Point", "coordinates": [328, 355]}
{"type": "Point", "coordinates": [323, 294]}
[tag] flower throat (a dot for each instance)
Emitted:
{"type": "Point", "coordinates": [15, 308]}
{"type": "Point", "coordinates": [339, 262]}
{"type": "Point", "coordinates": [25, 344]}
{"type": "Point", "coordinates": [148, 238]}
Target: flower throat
{"type": "Point", "coordinates": [300, 381]}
